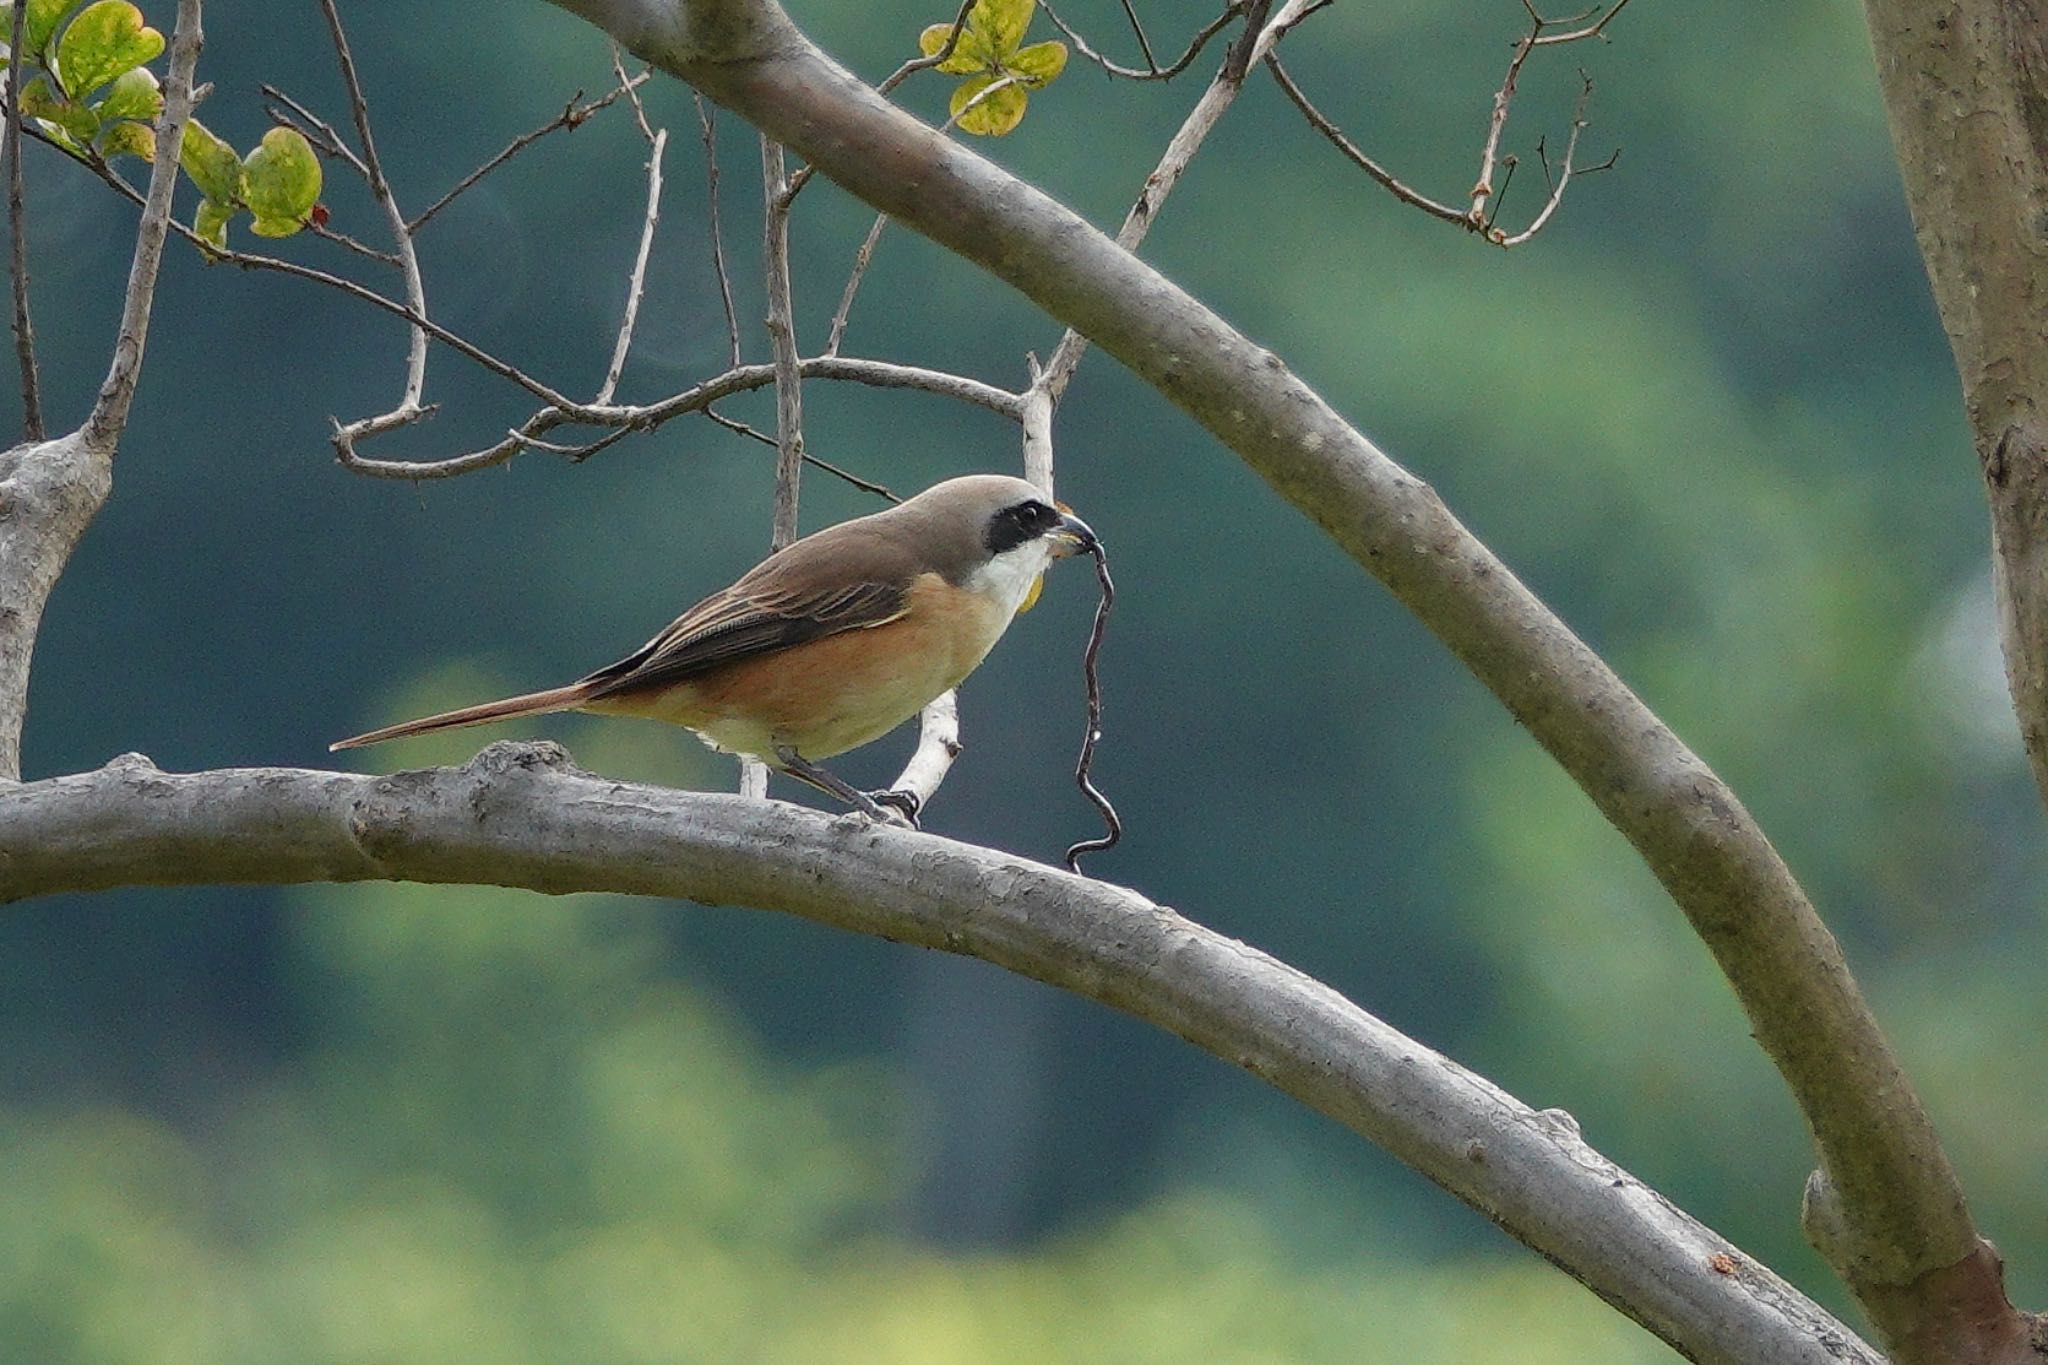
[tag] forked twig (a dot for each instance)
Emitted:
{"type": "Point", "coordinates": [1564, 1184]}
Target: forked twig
{"type": "Point", "coordinates": [1151, 71]}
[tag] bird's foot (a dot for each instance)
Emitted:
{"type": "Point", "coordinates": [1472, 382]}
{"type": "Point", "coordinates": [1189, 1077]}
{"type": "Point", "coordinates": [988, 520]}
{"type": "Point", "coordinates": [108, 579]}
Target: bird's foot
{"type": "Point", "coordinates": [900, 806]}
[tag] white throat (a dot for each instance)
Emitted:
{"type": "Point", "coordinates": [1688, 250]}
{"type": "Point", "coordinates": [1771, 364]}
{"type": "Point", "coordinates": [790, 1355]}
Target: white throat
{"type": "Point", "coordinates": [1007, 578]}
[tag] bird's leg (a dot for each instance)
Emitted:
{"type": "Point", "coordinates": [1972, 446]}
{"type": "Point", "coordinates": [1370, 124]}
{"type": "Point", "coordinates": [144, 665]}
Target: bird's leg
{"type": "Point", "coordinates": [797, 766]}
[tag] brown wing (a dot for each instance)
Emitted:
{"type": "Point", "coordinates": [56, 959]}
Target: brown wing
{"type": "Point", "coordinates": [820, 586]}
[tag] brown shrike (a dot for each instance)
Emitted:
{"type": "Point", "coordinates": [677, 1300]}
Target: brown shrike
{"type": "Point", "coordinates": [835, 640]}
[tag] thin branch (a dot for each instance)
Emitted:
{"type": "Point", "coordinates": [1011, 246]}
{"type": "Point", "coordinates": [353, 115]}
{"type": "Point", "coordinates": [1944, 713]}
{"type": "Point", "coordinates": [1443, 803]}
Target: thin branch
{"type": "Point", "coordinates": [1564, 174]}
{"type": "Point", "coordinates": [776, 195]}
{"type": "Point", "coordinates": [324, 136]}
{"type": "Point", "coordinates": [522, 815]}
{"type": "Point", "coordinates": [697, 398]}
{"type": "Point", "coordinates": [781, 322]}
{"type": "Point", "coordinates": [1316, 119]}
{"type": "Point", "coordinates": [732, 317]}
{"type": "Point", "coordinates": [110, 410]}
{"type": "Point", "coordinates": [348, 243]}
{"type": "Point", "coordinates": [1152, 71]}
{"type": "Point", "coordinates": [572, 117]}
{"type": "Point", "coordinates": [1593, 30]}
{"type": "Point", "coordinates": [17, 233]}
{"type": "Point", "coordinates": [739, 428]}
{"type": "Point", "coordinates": [861, 259]}
{"type": "Point", "coordinates": [1482, 213]}
{"type": "Point", "coordinates": [401, 233]}
{"type": "Point", "coordinates": [636, 283]}
{"type": "Point", "coordinates": [917, 64]}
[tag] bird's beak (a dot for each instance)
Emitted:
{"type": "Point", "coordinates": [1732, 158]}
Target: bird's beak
{"type": "Point", "coordinates": [1071, 537]}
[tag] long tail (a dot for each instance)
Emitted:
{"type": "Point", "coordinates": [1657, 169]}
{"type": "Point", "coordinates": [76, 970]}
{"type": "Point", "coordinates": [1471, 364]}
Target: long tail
{"type": "Point", "coordinates": [532, 704]}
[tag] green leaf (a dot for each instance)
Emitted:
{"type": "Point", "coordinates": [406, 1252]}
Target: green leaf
{"type": "Point", "coordinates": [78, 123]}
{"type": "Point", "coordinates": [133, 95]}
{"type": "Point", "coordinates": [281, 183]}
{"type": "Point", "coordinates": [211, 163]}
{"type": "Point", "coordinates": [128, 139]}
{"type": "Point", "coordinates": [1001, 24]}
{"type": "Point", "coordinates": [994, 116]}
{"type": "Point", "coordinates": [106, 39]}
{"type": "Point", "coordinates": [42, 21]}
{"type": "Point", "coordinates": [1038, 64]}
{"type": "Point", "coordinates": [970, 54]}
{"type": "Point", "coordinates": [211, 222]}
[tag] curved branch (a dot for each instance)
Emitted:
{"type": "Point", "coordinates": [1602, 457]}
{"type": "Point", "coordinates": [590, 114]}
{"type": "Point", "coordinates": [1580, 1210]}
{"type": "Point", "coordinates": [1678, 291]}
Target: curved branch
{"type": "Point", "coordinates": [522, 815]}
{"type": "Point", "coordinates": [1899, 1207]}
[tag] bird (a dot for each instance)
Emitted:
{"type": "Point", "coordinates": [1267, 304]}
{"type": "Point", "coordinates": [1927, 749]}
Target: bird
{"type": "Point", "coordinates": [832, 641]}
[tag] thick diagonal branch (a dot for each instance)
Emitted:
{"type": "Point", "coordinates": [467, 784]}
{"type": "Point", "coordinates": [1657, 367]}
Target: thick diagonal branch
{"type": "Point", "coordinates": [1966, 91]}
{"type": "Point", "coordinates": [1897, 1192]}
{"type": "Point", "coordinates": [520, 815]}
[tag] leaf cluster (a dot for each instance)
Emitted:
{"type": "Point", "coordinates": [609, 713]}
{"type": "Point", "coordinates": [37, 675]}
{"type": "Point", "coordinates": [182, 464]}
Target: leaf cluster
{"type": "Point", "coordinates": [87, 85]}
{"type": "Point", "coordinates": [989, 50]}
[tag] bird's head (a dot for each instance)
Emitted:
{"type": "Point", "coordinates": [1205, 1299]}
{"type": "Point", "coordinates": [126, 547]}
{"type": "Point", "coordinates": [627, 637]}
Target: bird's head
{"type": "Point", "coordinates": [1001, 533]}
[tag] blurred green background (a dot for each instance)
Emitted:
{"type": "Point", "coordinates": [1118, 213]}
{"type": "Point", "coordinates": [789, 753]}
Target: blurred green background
{"type": "Point", "coordinates": [1709, 415]}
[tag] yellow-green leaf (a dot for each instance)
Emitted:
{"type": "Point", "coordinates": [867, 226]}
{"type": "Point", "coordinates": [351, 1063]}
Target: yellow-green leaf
{"type": "Point", "coordinates": [128, 139]}
{"type": "Point", "coordinates": [1001, 24]}
{"type": "Point", "coordinates": [969, 54]}
{"type": "Point", "coordinates": [992, 116]}
{"type": "Point", "coordinates": [106, 39]}
{"type": "Point", "coordinates": [1038, 64]}
{"type": "Point", "coordinates": [281, 183]}
{"type": "Point", "coordinates": [133, 95]}
{"type": "Point", "coordinates": [41, 23]}
{"type": "Point", "coordinates": [211, 163]}
{"type": "Point", "coordinates": [39, 102]}
{"type": "Point", "coordinates": [211, 222]}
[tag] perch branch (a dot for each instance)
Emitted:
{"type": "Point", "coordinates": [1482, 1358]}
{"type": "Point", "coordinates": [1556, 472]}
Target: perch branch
{"type": "Point", "coordinates": [521, 815]}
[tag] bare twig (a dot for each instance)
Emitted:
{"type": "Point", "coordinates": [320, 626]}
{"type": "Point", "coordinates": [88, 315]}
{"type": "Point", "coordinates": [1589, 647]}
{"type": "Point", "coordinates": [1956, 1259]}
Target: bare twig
{"type": "Point", "coordinates": [1597, 29]}
{"type": "Point", "coordinates": [860, 267]}
{"type": "Point", "coordinates": [1387, 179]}
{"type": "Point", "coordinates": [1564, 172]}
{"type": "Point", "coordinates": [572, 117]}
{"type": "Point", "coordinates": [1144, 44]}
{"type": "Point", "coordinates": [110, 409]}
{"type": "Point", "coordinates": [348, 243]}
{"type": "Point", "coordinates": [917, 64]}
{"type": "Point", "coordinates": [1481, 215]}
{"type": "Point", "coordinates": [781, 322]}
{"type": "Point", "coordinates": [1152, 71]}
{"type": "Point", "coordinates": [732, 317]}
{"type": "Point", "coordinates": [324, 136]}
{"type": "Point", "coordinates": [17, 230]}
{"type": "Point", "coordinates": [380, 187]}
{"type": "Point", "coordinates": [636, 283]}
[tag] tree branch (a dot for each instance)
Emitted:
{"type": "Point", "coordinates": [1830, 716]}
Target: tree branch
{"type": "Point", "coordinates": [521, 815]}
{"type": "Point", "coordinates": [17, 242]}
{"type": "Point", "coordinates": [51, 490]}
{"type": "Point", "coordinates": [1890, 1181]}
